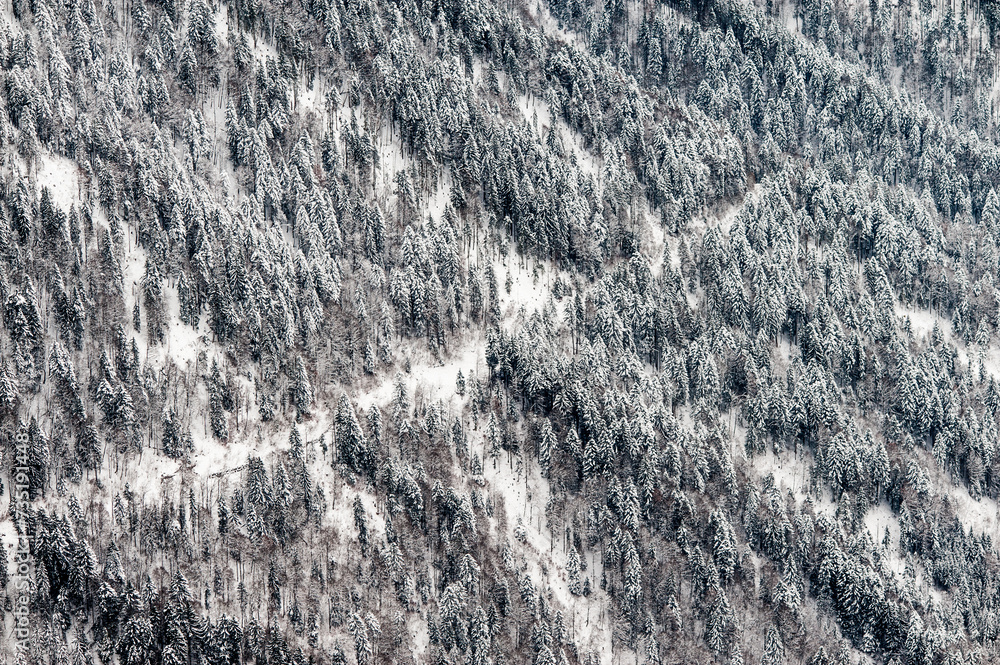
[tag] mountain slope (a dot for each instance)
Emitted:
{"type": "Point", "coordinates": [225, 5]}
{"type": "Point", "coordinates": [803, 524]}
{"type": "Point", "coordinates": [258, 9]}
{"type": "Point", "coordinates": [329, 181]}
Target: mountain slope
{"type": "Point", "coordinates": [373, 332]}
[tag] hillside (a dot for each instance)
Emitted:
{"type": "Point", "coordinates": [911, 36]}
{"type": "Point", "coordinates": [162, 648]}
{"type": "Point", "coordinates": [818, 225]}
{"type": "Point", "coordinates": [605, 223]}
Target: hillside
{"type": "Point", "coordinates": [377, 332]}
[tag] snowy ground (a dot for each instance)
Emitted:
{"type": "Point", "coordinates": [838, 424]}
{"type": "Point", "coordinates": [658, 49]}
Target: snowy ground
{"type": "Point", "coordinates": [878, 520]}
{"type": "Point", "coordinates": [791, 473]}
{"type": "Point", "coordinates": [524, 493]}
{"type": "Point", "coordinates": [922, 323]}
{"type": "Point", "coordinates": [61, 176]}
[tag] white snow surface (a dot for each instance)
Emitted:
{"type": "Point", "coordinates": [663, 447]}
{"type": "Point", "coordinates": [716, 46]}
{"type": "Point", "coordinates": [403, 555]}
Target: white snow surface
{"type": "Point", "coordinates": [791, 474]}
{"type": "Point", "coordinates": [878, 520]}
{"type": "Point", "coordinates": [524, 493]}
{"type": "Point", "coordinates": [433, 379]}
{"type": "Point", "coordinates": [62, 177]}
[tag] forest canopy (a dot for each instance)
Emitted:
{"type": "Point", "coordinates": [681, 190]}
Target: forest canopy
{"type": "Point", "coordinates": [547, 331]}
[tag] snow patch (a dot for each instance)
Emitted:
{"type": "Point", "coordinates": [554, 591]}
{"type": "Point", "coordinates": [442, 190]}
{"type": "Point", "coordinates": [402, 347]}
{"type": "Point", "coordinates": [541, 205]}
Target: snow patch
{"type": "Point", "coordinates": [524, 493]}
{"type": "Point", "coordinates": [528, 294]}
{"type": "Point", "coordinates": [922, 322]}
{"type": "Point", "coordinates": [8, 536]}
{"type": "Point", "coordinates": [434, 379]}
{"type": "Point", "coordinates": [222, 24]}
{"type": "Point", "coordinates": [655, 241]}
{"type": "Point", "coordinates": [262, 49]}
{"type": "Point", "coordinates": [792, 474]}
{"type": "Point", "coordinates": [878, 520]}
{"type": "Point", "coordinates": [62, 177]}
{"type": "Point", "coordinates": [977, 515]}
